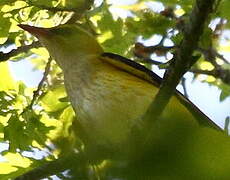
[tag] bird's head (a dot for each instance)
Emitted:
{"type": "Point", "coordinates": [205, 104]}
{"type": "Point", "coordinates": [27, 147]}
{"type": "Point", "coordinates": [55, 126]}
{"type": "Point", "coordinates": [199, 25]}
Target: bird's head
{"type": "Point", "coordinates": [66, 41]}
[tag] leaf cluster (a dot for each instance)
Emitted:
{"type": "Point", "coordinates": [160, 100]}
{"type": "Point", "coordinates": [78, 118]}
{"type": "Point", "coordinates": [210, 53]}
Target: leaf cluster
{"type": "Point", "coordinates": [45, 128]}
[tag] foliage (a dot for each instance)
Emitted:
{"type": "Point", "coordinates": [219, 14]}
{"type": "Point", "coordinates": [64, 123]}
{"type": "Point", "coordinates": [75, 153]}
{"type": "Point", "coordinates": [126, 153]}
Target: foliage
{"type": "Point", "coordinates": [45, 125]}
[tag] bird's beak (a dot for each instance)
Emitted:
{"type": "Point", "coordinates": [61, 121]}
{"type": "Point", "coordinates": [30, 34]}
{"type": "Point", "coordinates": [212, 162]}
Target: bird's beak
{"type": "Point", "coordinates": [36, 31]}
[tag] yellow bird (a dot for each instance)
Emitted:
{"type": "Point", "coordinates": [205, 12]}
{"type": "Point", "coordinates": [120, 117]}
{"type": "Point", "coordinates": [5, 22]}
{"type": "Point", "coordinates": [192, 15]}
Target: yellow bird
{"type": "Point", "coordinates": [110, 93]}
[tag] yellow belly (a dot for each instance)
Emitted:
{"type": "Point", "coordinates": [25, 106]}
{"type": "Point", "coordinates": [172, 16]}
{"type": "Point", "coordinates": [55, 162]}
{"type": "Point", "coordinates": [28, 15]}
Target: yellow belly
{"type": "Point", "coordinates": [109, 102]}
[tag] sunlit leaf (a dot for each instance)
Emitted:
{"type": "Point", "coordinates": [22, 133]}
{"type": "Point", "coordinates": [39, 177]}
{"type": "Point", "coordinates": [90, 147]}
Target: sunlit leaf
{"type": "Point", "coordinates": [206, 66]}
{"type": "Point", "coordinates": [50, 101]}
{"type": "Point", "coordinates": [14, 133]}
{"type": "Point", "coordinates": [6, 80]}
{"type": "Point", "coordinates": [15, 159]}
{"type": "Point", "coordinates": [6, 168]}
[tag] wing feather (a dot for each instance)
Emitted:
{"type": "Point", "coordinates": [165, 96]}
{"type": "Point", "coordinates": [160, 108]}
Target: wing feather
{"type": "Point", "coordinates": [144, 73]}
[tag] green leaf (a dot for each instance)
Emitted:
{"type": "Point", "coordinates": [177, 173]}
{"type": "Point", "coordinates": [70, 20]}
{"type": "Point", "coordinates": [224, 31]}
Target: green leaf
{"type": "Point", "coordinates": [21, 88]}
{"type": "Point", "coordinates": [6, 102]}
{"type": "Point", "coordinates": [6, 80]}
{"type": "Point", "coordinates": [224, 9]}
{"type": "Point", "coordinates": [4, 28]}
{"type": "Point", "coordinates": [225, 91]}
{"type": "Point", "coordinates": [50, 101]}
{"type": "Point", "coordinates": [41, 3]}
{"type": "Point", "coordinates": [74, 4]}
{"type": "Point", "coordinates": [67, 116]}
{"type": "Point", "coordinates": [34, 128]}
{"type": "Point", "coordinates": [64, 99]}
{"type": "Point", "coordinates": [4, 2]}
{"type": "Point", "coordinates": [177, 38]}
{"type": "Point", "coordinates": [149, 24]}
{"type": "Point", "coordinates": [111, 32]}
{"type": "Point", "coordinates": [14, 133]}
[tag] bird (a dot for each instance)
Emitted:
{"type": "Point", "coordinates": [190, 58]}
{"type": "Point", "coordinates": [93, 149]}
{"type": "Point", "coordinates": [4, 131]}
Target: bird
{"type": "Point", "coordinates": [110, 94]}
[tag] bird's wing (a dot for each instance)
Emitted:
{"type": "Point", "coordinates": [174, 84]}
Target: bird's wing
{"type": "Point", "coordinates": [144, 73]}
{"type": "Point", "coordinates": [132, 67]}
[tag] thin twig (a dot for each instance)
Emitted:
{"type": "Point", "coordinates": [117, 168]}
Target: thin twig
{"type": "Point", "coordinates": [141, 48]}
{"type": "Point", "coordinates": [210, 53]}
{"type": "Point", "coordinates": [36, 93]}
{"type": "Point", "coordinates": [21, 49]}
{"type": "Point", "coordinates": [70, 161]}
{"type": "Point", "coordinates": [220, 73]}
{"type": "Point", "coordinates": [205, 72]}
{"type": "Point", "coordinates": [226, 124]}
{"type": "Point", "coordinates": [222, 58]}
{"type": "Point", "coordinates": [183, 83]}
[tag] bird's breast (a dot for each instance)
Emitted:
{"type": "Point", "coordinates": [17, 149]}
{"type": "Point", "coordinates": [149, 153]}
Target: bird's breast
{"type": "Point", "coordinates": [109, 102]}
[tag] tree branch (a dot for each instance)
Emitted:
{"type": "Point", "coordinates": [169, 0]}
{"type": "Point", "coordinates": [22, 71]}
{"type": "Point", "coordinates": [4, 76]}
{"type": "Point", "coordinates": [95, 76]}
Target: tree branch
{"type": "Point", "coordinates": [218, 72]}
{"type": "Point", "coordinates": [72, 161]}
{"type": "Point", "coordinates": [183, 58]}
{"type": "Point", "coordinates": [142, 51]}
{"type": "Point", "coordinates": [183, 80]}
{"type": "Point", "coordinates": [222, 57]}
{"type": "Point", "coordinates": [222, 74]}
{"type": "Point", "coordinates": [21, 49]}
{"type": "Point", "coordinates": [200, 71]}
{"type": "Point", "coordinates": [37, 91]}
{"type": "Point", "coordinates": [210, 55]}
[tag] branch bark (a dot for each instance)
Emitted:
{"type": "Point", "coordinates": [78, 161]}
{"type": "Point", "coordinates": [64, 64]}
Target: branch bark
{"type": "Point", "coordinates": [222, 74]}
{"type": "Point", "coordinates": [72, 161]}
{"type": "Point", "coordinates": [183, 58]}
{"type": "Point", "coordinates": [21, 49]}
{"type": "Point", "coordinates": [36, 93]}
